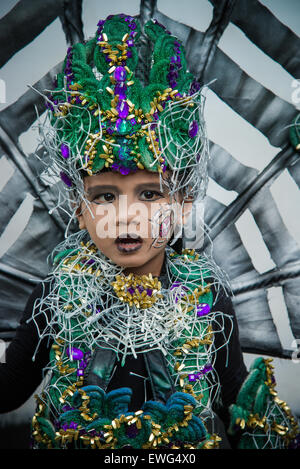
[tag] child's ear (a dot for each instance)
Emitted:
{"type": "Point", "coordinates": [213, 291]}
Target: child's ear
{"type": "Point", "coordinates": [80, 218]}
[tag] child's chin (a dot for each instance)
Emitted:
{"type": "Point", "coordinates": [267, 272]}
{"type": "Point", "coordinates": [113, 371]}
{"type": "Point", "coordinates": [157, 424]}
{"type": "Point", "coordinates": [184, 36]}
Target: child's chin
{"type": "Point", "coordinates": [133, 259]}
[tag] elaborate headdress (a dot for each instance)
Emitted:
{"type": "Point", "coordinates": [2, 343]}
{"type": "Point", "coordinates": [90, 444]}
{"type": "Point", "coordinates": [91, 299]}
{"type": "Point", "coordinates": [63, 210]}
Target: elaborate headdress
{"type": "Point", "coordinates": [105, 114]}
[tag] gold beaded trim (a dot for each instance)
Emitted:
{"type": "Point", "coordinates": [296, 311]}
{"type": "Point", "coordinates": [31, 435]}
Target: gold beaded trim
{"type": "Point", "coordinates": [140, 299]}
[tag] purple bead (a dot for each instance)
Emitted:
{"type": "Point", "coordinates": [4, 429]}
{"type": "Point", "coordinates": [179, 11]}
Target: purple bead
{"type": "Point", "coordinates": [131, 291]}
{"type": "Point", "coordinates": [73, 425]}
{"type": "Point", "coordinates": [121, 89]}
{"type": "Point", "coordinates": [130, 43]}
{"type": "Point", "coordinates": [140, 289]}
{"type": "Point", "coordinates": [120, 73]}
{"type": "Point", "coordinates": [175, 285]}
{"type": "Point", "coordinates": [149, 291]}
{"type": "Point", "coordinates": [195, 86]}
{"type": "Point", "coordinates": [123, 170]}
{"type": "Point", "coordinates": [172, 75]}
{"type": "Point", "coordinates": [132, 431]}
{"type": "Point", "coordinates": [192, 377]}
{"type": "Point", "coordinates": [65, 150]}
{"type": "Point", "coordinates": [202, 309]}
{"type": "Point", "coordinates": [193, 129]}
{"type": "Point", "coordinates": [91, 261]}
{"type": "Point", "coordinates": [65, 408]}
{"type": "Point", "coordinates": [80, 372]}
{"type": "Point", "coordinates": [74, 353]}
{"type": "Point", "coordinates": [123, 109]}
{"type": "Point", "coordinates": [65, 179]}
{"type": "Point", "coordinates": [207, 368]}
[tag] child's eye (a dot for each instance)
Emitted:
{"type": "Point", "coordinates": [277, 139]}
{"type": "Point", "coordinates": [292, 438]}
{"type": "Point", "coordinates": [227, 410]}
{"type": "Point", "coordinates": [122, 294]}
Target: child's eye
{"type": "Point", "coordinates": [151, 195]}
{"type": "Point", "coordinates": [106, 197]}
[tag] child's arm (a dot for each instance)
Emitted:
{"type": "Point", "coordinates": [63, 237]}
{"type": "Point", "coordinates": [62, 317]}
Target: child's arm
{"type": "Point", "coordinates": [229, 363]}
{"type": "Point", "coordinates": [19, 375]}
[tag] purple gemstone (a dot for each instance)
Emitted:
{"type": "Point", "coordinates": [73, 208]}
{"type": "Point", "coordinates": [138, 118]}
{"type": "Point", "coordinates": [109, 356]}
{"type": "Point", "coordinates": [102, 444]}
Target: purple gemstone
{"type": "Point", "coordinates": [202, 309]}
{"type": "Point", "coordinates": [192, 377]}
{"type": "Point", "coordinates": [65, 150]}
{"type": "Point", "coordinates": [74, 353]}
{"type": "Point", "coordinates": [193, 129]}
{"type": "Point", "coordinates": [115, 167]}
{"type": "Point", "coordinates": [123, 109]}
{"type": "Point", "coordinates": [130, 43]}
{"type": "Point", "coordinates": [121, 89]}
{"type": "Point", "coordinates": [110, 131]}
{"type": "Point", "coordinates": [80, 372]}
{"type": "Point", "coordinates": [140, 288]}
{"type": "Point", "coordinates": [149, 291]}
{"type": "Point", "coordinates": [207, 368]}
{"type": "Point", "coordinates": [65, 408]}
{"type": "Point", "coordinates": [175, 285]}
{"type": "Point", "coordinates": [172, 75]}
{"type": "Point", "coordinates": [131, 291]}
{"type": "Point", "coordinates": [132, 431]}
{"type": "Point", "coordinates": [123, 170]}
{"type": "Point", "coordinates": [120, 73]}
{"type": "Point", "coordinates": [195, 86]}
{"type": "Point", "coordinates": [65, 179]}
{"type": "Point", "coordinates": [82, 364]}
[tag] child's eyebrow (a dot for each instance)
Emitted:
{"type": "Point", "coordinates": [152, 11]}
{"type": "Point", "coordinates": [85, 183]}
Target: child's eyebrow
{"type": "Point", "coordinates": [103, 187]}
{"type": "Point", "coordinates": [148, 185]}
{"type": "Point", "coordinates": [108, 187]}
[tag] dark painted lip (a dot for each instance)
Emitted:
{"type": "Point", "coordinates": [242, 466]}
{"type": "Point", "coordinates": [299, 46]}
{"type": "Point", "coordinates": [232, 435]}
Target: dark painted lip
{"type": "Point", "coordinates": [133, 237]}
{"type": "Point", "coordinates": [128, 250]}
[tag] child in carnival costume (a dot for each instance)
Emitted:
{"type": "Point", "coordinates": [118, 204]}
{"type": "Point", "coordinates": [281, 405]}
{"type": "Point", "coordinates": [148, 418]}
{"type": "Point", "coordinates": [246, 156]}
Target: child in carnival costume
{"type": "Point", "coordinates": [143, 341]}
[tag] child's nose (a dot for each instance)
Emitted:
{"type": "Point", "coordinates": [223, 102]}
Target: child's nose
{"type": "Point", "coordinates": [132, 216]}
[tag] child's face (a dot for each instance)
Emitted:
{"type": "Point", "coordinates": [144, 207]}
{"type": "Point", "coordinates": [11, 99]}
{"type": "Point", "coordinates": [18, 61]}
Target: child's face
{"type": "Point", "coordinates": [130, 219]}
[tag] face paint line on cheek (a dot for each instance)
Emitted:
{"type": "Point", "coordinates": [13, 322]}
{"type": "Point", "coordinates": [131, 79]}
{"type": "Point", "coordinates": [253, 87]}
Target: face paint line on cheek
{"type": "Point", "coordinates": [162, 223]}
